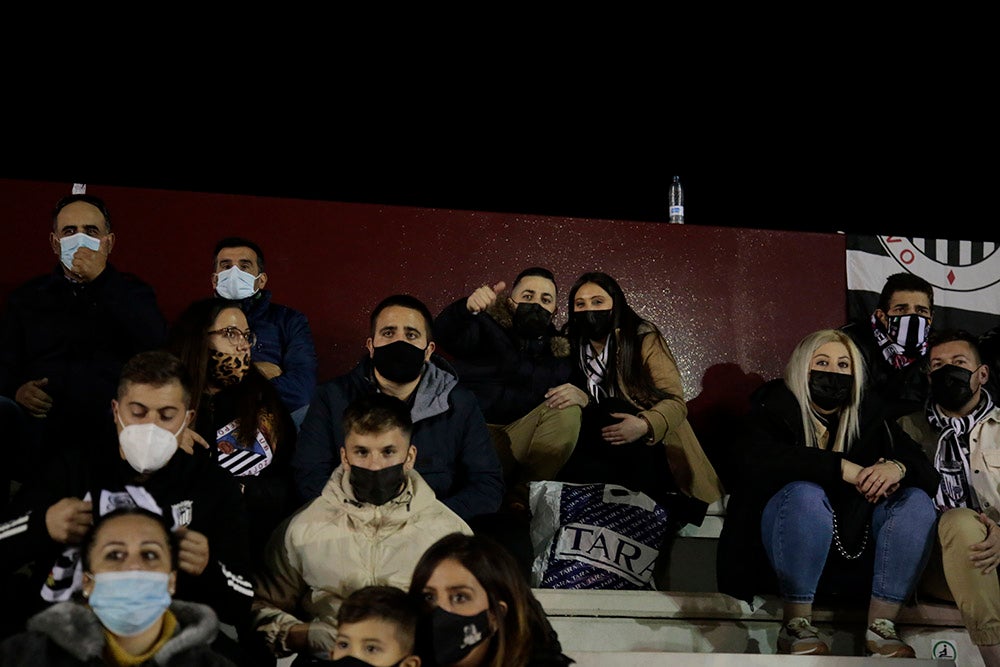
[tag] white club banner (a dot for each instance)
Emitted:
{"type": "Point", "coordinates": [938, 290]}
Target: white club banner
{"type": "Point", "coordinates": [965, 276]}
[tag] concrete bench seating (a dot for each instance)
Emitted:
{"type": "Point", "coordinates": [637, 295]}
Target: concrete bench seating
{"type": "Point", "coordinates": [687, 622]}
{"type": "Point", "coordinates": [639, 659]}
{"type": "Point", "coordinates": [688, 615]}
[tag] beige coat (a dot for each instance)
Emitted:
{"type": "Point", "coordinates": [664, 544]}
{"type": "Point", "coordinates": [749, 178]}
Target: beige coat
{"type": "Point", "coordinates": [694, 473]}
{"type": "Point", "coordinates": [335, 545]}
{"type": "Point", "coordinates": [984, 454]}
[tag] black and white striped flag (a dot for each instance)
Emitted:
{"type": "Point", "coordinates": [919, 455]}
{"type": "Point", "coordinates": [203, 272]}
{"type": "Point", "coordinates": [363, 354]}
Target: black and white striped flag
{"type": "Point", "coordinates": [965, 276]}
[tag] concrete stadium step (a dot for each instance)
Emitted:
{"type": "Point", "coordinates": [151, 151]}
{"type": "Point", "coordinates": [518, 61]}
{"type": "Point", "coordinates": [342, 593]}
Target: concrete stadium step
{"type": "Point", "coordinates": [687, 622]}
{"type": "Point", "coordinates": [639, 659]}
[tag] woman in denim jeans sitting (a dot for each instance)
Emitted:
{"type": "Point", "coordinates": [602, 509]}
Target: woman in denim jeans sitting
{"type": "Point", "coordinates": [833, 497]}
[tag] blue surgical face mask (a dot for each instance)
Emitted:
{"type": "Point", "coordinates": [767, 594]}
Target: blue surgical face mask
{"type": "Point", "coordinates": [129, 602]}
{"type": "Point", "coordinates": [68, 245]}
{"type": "Point", "coordinates": [235, 284]}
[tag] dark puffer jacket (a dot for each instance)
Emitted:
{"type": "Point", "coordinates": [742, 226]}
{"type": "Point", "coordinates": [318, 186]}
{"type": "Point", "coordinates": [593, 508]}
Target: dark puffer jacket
{"type": "Point", "coordinates": [508, 374]}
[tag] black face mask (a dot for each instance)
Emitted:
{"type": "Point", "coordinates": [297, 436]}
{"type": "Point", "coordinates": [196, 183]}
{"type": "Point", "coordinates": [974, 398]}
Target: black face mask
{"type": "Point", "coordinates": [453, 636]}
{"type": "Point", "coordinates": [592, 324]}
{"type": "Point", "coordinates": [377, 487]}
{"type": "Point", "coordinates": [531, 320]}
{"type": "Point", "coordinates": [951, 387]}
{"type": "Point", "coordinates": [830, 391]}
{"type": "Point", "coordinates": [399, 362]}
{"type": "Point", "coordinates": [351, 661]}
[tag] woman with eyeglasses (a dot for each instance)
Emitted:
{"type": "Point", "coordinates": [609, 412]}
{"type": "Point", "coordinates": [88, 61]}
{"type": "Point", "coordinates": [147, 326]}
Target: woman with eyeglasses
{"type": "Point", "coordinates": [239, 413]}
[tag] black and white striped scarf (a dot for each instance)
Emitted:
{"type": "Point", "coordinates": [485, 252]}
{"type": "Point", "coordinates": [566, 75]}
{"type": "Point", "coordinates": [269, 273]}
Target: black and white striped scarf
{"type": "Point", "coordinates": [905, 341]}
{"type": "Point", "coordinates": [595, 367]}
{"type": "Point", "coordinates": [952, 456]}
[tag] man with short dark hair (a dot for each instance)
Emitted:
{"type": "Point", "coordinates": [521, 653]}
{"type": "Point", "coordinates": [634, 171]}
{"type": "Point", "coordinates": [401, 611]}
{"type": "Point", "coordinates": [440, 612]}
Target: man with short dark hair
{"type": "Point", "coordinates": [373, 520]}
{"type": "Point", "coordinates": [960, 432]}
{"type": "Point", "coordinates": [64, 337]}
{"type": "Point", "coordinates": [893, 342]}
{"type": "Point", "coordinates": [456, 456]}
{"type": "Point", "coordinates": [509, 354]}
{"type": "Point", "coordinates": [53, 510]}
{"type": "Point", "coordinates": [284, 351]}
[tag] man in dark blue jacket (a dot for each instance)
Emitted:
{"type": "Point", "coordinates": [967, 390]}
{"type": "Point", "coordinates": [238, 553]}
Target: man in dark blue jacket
{"type": "Point", "coordinates": [509, 354]}
{"type": "Point", "coordinates": [284, 351]}
{"type": "Point", "coordinates": [454, 452]}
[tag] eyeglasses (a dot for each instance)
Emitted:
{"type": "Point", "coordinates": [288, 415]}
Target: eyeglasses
{"type": "Point", "coordinates": [233, 335]}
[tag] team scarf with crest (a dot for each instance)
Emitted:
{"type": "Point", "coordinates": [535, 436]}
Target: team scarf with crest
{"type": "Point", "coordinates": [952, 456]}
{"type": "Point", "coordinates": [905, 339]}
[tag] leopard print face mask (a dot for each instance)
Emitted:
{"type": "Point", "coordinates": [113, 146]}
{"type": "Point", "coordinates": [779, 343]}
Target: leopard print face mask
{"type": "Point", "coordinates": [226, 370]}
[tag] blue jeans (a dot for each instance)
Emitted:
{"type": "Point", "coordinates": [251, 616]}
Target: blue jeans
{"type": "Point", "coordinates": [797, 531]}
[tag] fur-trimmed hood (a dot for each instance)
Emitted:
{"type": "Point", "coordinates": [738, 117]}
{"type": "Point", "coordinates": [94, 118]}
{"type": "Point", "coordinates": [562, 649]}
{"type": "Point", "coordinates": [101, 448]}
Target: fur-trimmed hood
{"type": "Point", "coordinates": [503, 314]}
{"type": "Point", "coordinates": [75, 628]}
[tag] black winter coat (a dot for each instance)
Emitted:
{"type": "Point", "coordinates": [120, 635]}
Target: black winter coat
{"type": "Point", "coordinates": [270, 494]}
{"type": "Point", "coordinates": [78, 336]}
{"type": "Point", "coordinates": [771, 452]}
{"type": "Point", "coordinates": [509, 375]}
{"type": "Point", "coordinates": [191, 490]}
{"type": "Point", "coordinates": [901, 390]}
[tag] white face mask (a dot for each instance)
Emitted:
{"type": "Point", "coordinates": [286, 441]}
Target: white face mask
{"type": "Point", "coordinates": [147, 447]}
{"type": "Point", "coordinates": [235, 284]}
{"type": "Point", "coordinates": [68, 245]}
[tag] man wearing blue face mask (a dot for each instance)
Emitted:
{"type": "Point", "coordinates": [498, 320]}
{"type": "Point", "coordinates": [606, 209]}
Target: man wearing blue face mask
{"type": "Point", "coordinates": [456, 456]}
{"type": "Point", "coordinates": [284, 351]}
{"type": "Point", "coordinates": [893, 342]}
{"type": "Point", "coordinates": [139, 465]}
{"type": "Point", "coordinates": [65, 336]}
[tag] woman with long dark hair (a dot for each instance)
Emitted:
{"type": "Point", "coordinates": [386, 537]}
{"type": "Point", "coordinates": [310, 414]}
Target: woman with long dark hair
{"type": "Point", "coordinates": [635, 431]}
{"type": "Point", "coordinates": [238, 411]}
{"type": "Point", "coordinates": [478, 608]}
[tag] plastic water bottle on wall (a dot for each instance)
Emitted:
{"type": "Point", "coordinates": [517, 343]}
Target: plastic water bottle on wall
{"type": "Point", "coordinates": [676, 202]}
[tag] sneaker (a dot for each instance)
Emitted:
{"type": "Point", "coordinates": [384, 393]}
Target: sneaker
{"type": "Point", "coordinates": [800, 637]}
{"type": "Point", "coordinates": [882, 641]}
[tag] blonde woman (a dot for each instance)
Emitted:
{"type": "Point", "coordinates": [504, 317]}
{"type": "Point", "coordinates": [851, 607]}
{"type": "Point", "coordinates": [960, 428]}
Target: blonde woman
{"type": "Point", "coordinates": [833, 497]}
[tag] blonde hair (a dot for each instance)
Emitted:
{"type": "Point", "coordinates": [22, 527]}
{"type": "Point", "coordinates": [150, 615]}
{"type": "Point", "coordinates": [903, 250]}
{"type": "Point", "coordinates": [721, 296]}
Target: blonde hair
{"type": "Point", "coordinates": [797, 381]}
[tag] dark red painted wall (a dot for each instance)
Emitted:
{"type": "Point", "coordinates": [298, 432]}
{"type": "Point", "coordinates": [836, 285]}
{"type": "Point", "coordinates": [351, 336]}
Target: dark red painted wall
{"type": "Point", "coordinates": [731, 302]}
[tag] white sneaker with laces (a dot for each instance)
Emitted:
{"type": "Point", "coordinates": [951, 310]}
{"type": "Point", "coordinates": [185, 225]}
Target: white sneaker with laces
{"type": "Point", "coordinates": [800, 637]}
{"type": "Point", "coordinates": [881, 641]}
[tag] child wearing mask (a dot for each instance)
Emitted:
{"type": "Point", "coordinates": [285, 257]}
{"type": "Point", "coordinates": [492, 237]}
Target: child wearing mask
{"type": "Point", "coordinates": [377, 627]}
{"type": "Point", "coordinates": [373, 520]}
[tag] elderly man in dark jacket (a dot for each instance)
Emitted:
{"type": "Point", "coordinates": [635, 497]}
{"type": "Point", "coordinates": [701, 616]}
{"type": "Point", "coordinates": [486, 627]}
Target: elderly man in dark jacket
{"type": "Point", "coordinates": [65, 335]}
